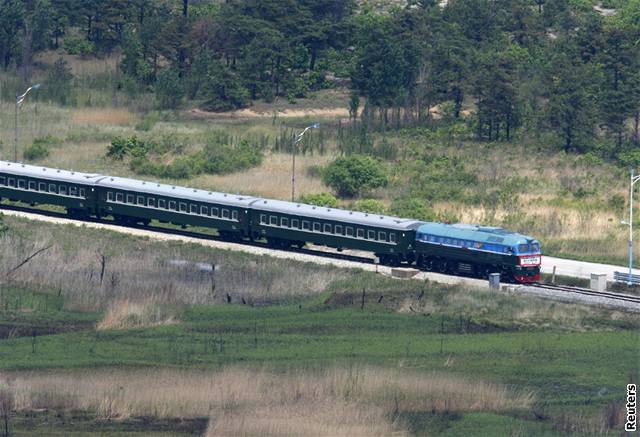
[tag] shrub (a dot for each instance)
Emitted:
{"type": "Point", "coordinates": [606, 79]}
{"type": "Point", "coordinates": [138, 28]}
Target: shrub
{"type": "Point", "coordinates": [40, 147]}
{"type": "Point", "coordinates": [320, 199]}
{"type": "Point", "coordinates": [75, 45]}
{"type": "Point", "coordinates": [413, 208]}
{"type": "Point", "coordinates": [355, 175]}
{"type": "Point", "coordinates": [120, 147]}
{"type": "Point", "coordinates": [371, 206]}
{"type": "Point", "coordinates": [36, 151]}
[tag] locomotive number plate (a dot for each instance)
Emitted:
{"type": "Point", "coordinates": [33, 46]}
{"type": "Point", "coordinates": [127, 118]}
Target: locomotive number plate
{"type": "Point", "coordinates": [530, 260]}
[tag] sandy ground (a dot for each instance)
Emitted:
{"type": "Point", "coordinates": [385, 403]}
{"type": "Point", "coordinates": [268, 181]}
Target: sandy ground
{"type": "Point", "coordinates": [565, 267]}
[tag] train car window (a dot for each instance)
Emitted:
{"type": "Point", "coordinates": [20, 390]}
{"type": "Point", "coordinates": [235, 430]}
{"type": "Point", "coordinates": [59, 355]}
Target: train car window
{"type": "Point", "coordinates": [140, 200]}
{"type": "Point", "coordinates": [183, 207]}
{"type": "Point", "coordinates": [371, 235]}
{"type": "Point", "coordinates": [349, 231]}
{"type": "Point", "coordinates": [21, 183]}
{"type": "Point", "coordinates": [284, 222]}
{"type": "Point", "coordinates": [172, 205]}
{"type": "Point", "coordinates": [109, 196]}
{"type": "Point", "coordinates": [42, 186]}
{"type": "Point", "coordinates": [327, 228]}
{"type": "Point", "coordinates": [52, 188]}
{"type": "Point", "coordinates": [194, 209]}
{"type": "Point", "coordinates": [263, 219]}
{"type": "Point", "coordinates": [360, 233]}
{"type": "Point", "coordinates": [162, 204]}
{"type": "Point", "coordinates": [119, 197]}
{"type": "Point", "coordinates": [225, 213]}
{"type": "Point", "coordinates": [295, 223]}
{"type": "Point", "coordinates": [306, 225]}
{"type": "Point", "coordinates": [32, 185]}
{"type": "Point", "coordinates": [81, 192]}
{"type": "Point", "coordinates": [214, 212]}
{"type": "Point", "coordinates": [204, 210]}
{"type": "Point", "coordinates": [273, 220]}
{"type": "Point", "coordinates": [3, 181]}
{"type": "Point", "coordinates": [234, 215]}
{"type": "Point", "coordinates": [12, 182]}
{"type": "Point", "coordinates": [382, 236]}
{"type": "Point", "coordinates": [130, 198]}
{"type": "Point", "coordinates": [63, 190]}
{"type": "Point", "coordinates": [392, 237]}
{"type": "Point", "coordinates": [339, 229]}
{"type": "Point", "coordinates": [151, 202]}
{"type": "Point", "coordinates": [316, 227]}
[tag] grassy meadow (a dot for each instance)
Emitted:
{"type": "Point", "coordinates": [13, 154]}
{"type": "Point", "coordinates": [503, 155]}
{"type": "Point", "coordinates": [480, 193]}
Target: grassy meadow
{"type": "Point", "coordinates": [266, 349]}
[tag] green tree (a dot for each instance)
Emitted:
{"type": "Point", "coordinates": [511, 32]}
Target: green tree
{"type": "Point", "coordinates": [354, 175]}
{"type": "Point", "coordinates": [223, 89]}
{"type": "Point", "coordinates": [58, 82]}
{"type": "Point", "coordinates": [169, 89]}
{"type": "Point", "coordinates": [11, 22]}
{"type": "Point", "coordinates": [571, 95]}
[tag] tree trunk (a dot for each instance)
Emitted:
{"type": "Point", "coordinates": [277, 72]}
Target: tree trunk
{"type": "Point", "coordinates": [636, 126]}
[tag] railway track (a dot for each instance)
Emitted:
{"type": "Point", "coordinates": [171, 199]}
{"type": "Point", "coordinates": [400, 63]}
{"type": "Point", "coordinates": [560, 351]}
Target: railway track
{"type": "Point", "coordinates": [588, 292]}
{"type": "Point", "coordinates": [191, 234]}
{"type": "Point", "coordinates": [622, 298]}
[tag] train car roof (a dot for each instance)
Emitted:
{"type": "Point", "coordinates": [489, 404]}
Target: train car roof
{"type": "Point", "coordinates": [34, 171]}
{"type": "Point", "coordinates": [175, 191]}
{"type": "Point", "coordinates": [322, 212]}
{"type": "Point", "coordinates": [483, 234]}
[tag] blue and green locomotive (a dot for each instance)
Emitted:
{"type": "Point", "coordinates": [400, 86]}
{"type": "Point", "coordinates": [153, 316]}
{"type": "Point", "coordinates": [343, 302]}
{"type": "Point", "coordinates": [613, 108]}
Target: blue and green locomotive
{"type": "Point", "coordinates": [459, 249]}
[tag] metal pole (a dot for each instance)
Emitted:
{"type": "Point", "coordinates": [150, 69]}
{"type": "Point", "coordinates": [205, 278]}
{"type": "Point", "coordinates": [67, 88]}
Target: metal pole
{"type": "Point", "coordinates": [630, 228]}
{"type": "Point", "coordinates": [15, 143]}
{"type": "Point", "coordinates": [293, 172]}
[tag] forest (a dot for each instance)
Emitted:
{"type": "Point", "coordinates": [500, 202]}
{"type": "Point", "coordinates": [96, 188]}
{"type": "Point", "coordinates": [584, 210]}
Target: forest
{"type": "Point", "coordinates": [559, 71]}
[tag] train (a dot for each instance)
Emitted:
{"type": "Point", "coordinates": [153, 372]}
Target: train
{"type": "Point", "coordinates": [461, 249]}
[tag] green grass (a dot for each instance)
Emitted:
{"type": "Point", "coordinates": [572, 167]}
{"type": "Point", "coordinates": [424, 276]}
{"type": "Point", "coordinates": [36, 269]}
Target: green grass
{"type": "Point", "coordinates": [572, 366]}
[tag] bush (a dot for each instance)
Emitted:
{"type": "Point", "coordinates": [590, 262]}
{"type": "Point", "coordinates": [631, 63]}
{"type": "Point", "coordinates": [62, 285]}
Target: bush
{"type": "Point", "coordinates": [121, 147]}
{"type": "Point", "coordinates": [413, 208]}
{"type": "Point", "coordinates": [40, 147]}
{"type": "Point", "coordinates": [355, 175]}
{"type": "Point", "coordinates": [75, 45]}
{"type": "Point", "coordinates": [371, 206]}
{"type": "Point", "coordinates": [320, 199]}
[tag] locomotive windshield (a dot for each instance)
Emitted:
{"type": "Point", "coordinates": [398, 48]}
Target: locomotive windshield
{"type": "Point", "coordinates": [529, 248]}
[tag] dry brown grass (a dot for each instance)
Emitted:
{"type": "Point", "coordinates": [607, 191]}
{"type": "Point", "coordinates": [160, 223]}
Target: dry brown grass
{"type": "Point", "coordinates": [335, 401]}
{"type": "Point", "coordinates": [272, 179]}
{"type": "Point", "coordinates": [103, 116]}
{"type": "Point", "coordinates": [139, 271]}
{"type": "Point", "coordinates": [128, 314]}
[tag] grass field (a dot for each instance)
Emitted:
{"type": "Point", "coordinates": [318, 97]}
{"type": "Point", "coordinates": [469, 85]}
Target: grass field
{"type": "Point", "coordinates": [347, 351]}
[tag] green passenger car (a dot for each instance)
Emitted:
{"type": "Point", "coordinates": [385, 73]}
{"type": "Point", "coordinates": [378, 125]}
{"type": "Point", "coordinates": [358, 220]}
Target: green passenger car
{"type": "Point", "coordinates": [38, 185]}
{"type": "Point", "coordinates": [129, 200]}
{"type": "Point", "coordinates": [286, 224]}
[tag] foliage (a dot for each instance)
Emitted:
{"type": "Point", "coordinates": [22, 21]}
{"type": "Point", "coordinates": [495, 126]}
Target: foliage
{"type": "Point", "coordinates": [370, 206]}
{"type": "Point", "coordinates": [59, 81]}
{"type": "Point", "coordinates": [121, 147]}
{"type": "Point", "coordinates": [354, 175]}
{"type": "Point", "coordinates": [217, 157]}
{"type": "Point", "coordinates": [40, 147]}
{"type": "Point", "coordinates": [320, 199]}
{"type": "Point", "coordinates": [413, 208]}
{"type": "Point", "coordinates": [76, 45]}
{"type": "Point", "coordinates": [169, 89]}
